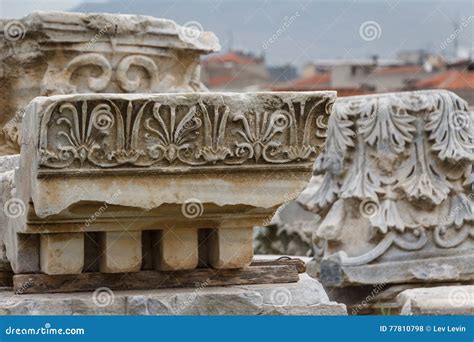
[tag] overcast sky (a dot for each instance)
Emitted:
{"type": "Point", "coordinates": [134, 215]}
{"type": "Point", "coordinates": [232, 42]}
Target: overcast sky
{"type": "Point", "coordinates": [313, 29]}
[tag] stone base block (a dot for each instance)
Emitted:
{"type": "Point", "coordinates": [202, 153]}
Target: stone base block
{"type": "Point", "coordinates": [121, 251]}
{"type": "Point", "coordinates": [306, 297]}
{"type": "Point", "coordinates": [175, 249]}
{"type": "Point", "coordinates": [441, 300]}
{"type": "Point", "coordinates": [231, 248]}
{"type": "Point", "coordinates": [24, 252]}
{"type": "Point", "coordinates": [62, 253]}
{"type": "Point", "coordinates": [442, 269]}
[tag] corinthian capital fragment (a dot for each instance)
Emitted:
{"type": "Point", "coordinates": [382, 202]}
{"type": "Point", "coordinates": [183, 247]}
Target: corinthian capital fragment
{"type": "Point", "coordinates": [396, 196]}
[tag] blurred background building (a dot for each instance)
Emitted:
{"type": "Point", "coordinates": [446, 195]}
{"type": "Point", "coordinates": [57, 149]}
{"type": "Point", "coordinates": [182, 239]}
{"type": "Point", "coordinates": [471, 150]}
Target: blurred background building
{"type": "Point", "coordinates": [315, 44]}
{"type": "Point", "coordinates": [411, 70]}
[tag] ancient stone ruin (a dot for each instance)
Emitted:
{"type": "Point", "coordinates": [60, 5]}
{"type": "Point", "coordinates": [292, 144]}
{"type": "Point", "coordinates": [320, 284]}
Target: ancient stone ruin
{"type": "Point", "coordinates": [132, 176]}
{"type": "Point", "coordinates": [51, 53]}
{"type": "Point", "coordinates": [151, 190]}
{"type": "Point", "coordinates": [396, 197]}
{"type": "Point", "coordinates": [153, 159]}
{"type": "Point", "coordinates": [391, 200]}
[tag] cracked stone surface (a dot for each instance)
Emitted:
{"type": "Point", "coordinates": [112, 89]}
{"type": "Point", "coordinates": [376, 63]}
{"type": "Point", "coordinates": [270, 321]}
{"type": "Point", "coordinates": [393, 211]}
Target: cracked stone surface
{"type": "Point", "coordinates": [307, 297]}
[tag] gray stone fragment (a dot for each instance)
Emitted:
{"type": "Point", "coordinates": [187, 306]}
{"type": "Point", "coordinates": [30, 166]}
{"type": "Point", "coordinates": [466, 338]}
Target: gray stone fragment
{"type": "Point", "coordinates": [441, 300]}
{"type": "Point", "coordinates": [307, 297]}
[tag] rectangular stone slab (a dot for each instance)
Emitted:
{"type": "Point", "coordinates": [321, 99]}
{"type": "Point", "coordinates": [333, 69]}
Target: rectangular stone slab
{"type": "Point", "coordinates": [121, 251]}
{"type": "Point", "coordinates": [76, 140]}
{"type": "Point", "coordinates": [62, 253]}
{"type": "Point", "coordinates": [42, 283]}
{"type": "Point", "coordinates": [223, 161]}
{"type": "Point", "coordinates": [230, 248]}
{"type": "Point", "coordinates": [175, 249]}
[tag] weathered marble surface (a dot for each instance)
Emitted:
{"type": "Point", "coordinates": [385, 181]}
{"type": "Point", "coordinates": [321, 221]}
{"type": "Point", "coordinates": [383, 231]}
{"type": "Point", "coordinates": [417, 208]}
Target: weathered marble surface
{"type": "Point", "coordinates": [442, 300]}
{"type": "Point", "coordinates": [49, 53]}
{"type": "Point", "coordinates": [290, 230]}
{"type": "Point", "coordinates": [393, 190]}
{"type": "Point", "coordinates": [8, 206]}
{"type": "Point", "coordinates": [306, 297]}
{"type": "Point", "coordinates": [183, 161]}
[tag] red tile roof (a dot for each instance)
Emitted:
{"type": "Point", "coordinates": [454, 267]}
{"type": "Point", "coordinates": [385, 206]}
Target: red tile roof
{"type": "Point", "coordinates": [317, 81]}
{"type": "Point", "coordinates": [396, 70]}
{"type": "Point", "coordinates": [230, 57]}
{"type": "Point", "coordinates": [219, 80]}
{"type": "Point", "coordinates": [452, 79]}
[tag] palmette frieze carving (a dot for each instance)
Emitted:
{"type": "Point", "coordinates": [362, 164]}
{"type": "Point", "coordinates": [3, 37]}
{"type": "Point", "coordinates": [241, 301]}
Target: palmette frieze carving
{"type": "Point", "coordinates": [110, 133]}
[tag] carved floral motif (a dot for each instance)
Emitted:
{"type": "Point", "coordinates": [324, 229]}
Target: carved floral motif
{"type": "Point", "coordinates": [407, 159]}
{"type": "Point", "coordinates": [146, 132]}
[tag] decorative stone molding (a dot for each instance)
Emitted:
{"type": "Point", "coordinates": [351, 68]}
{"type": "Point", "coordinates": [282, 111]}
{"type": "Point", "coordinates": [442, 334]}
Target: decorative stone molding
{"type": "Point", "coordinates": [397, 194]}
{"type": "Point", "coordinates": [170, 168]}
{"type": "Point", "coordinates": [50, 53]}
{"type": "Point", "coordinates": [97, 133]}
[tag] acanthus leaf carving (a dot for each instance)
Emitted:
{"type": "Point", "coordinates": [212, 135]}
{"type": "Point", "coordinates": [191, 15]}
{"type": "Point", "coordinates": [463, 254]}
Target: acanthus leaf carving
{"type": "Point", "coordinates": [411, 156]}
{"type": "Point", "coordinates": [422, 178]}
{"type": "Point", "coordinates": [361, 182]}
{"type": "Point", "coordinates": [386, 124]}
{"type": "Point", "coordinates": [450, 125]}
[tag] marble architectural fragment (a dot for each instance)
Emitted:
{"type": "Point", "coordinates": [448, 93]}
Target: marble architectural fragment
{"type": "Point", "coordinates": [439, 301]}
{"type": "Point", "coordinates": [9, 206]}
{"type": "Point", "coordinates": [396, 198]}
{"type": "Point", "coordinates": [50, 53]}
{"type": "Point", "coordinates": [171, 168]}
{"type": "Point", "coordinates": [306, 297]}
{"type": "Point", "coordinates": [391, 198]}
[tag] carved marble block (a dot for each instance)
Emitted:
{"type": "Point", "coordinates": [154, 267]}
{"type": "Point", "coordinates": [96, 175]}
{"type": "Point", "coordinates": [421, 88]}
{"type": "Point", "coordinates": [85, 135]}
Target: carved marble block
{"type": "Point", "coordinates": [49, 53]}
{"type": "Point", "coordinates": [170, 182]}
{"type": "Point", "coordinates": [396, 199]}
{"type": "Point", "coordinates": [8, 205]}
